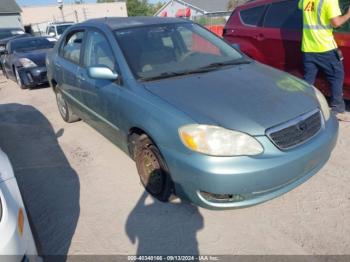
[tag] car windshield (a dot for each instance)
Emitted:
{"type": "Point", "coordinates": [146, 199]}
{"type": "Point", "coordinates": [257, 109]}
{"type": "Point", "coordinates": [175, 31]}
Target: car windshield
{"type": "Point", "coordinates": [30, 44]}
{"type": "Point", "coordinates": [62, 28]}
{"type": "Point", "coordinates": [9, 33]}
{"type": "Point", "coordinates": [162, 51]}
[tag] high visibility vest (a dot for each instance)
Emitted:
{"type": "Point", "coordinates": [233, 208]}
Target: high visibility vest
{"type": "Point", "coordinates": [317, 29]}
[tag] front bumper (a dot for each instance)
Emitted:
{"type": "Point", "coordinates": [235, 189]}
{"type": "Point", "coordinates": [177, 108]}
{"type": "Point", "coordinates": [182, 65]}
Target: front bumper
{"type": "Point", "coordinates": [14, 246]}
{"type": "Point", "coordinates": [33, 76]}
{"type": "Point", "coordinates": [251, 180]}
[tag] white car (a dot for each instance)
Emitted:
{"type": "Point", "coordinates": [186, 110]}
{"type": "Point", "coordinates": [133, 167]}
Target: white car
{"type": "Point", "coordinates": [55, 30]}
{"type": "Point", "coordinates": [16, 238]}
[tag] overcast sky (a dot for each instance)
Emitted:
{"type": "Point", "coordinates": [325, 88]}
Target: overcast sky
{"type": "Point", "coordinates": [48, 2]}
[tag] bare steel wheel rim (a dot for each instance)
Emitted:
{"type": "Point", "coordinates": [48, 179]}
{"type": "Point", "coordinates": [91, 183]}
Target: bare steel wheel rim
{"type": "Point", "coordinates": [62, 106]}
{"type": "Point", "coordinates": [152, 175]}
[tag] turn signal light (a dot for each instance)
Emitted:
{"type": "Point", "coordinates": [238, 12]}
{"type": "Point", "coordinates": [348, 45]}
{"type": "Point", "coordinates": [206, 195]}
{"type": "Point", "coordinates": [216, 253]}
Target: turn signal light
{"type": "Point", "coordinates": [20, 221]}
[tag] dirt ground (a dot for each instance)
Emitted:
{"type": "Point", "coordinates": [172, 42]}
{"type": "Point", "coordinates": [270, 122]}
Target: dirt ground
{"type": "Point", "coordinates": [84, 195]}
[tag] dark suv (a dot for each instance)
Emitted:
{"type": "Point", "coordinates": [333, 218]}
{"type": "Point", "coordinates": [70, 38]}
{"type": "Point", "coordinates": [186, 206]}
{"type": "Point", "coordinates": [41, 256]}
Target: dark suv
{"type": "Point", "coordinates": [270, 31]}
{"type": "Point", "coordinates": [7, 34]}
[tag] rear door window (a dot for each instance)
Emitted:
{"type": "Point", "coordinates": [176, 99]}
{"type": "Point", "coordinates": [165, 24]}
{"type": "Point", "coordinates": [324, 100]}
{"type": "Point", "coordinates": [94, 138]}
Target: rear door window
{"type": "Point", "coordinates": [72, 45]}
{"type": "Point", "coordinates": [253, 15]}
{"type": "Point", "coordinates": [284, 15]}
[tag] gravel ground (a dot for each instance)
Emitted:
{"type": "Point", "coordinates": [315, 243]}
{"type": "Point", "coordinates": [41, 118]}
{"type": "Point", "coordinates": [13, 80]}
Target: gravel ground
{"type": "Point", "coordinates": [84, 196]}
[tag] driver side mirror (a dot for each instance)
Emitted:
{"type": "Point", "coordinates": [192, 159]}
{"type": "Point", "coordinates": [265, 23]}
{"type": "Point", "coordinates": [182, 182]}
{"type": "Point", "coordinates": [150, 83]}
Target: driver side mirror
{"type": "Point", "coordinates": [102, 73]}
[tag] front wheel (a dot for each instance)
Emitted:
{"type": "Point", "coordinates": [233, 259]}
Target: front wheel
{"type": "Point", "coordinates": [64, 108]}
{"type": "Point", "coordinates": [153, 172]}
{"type": "Point", "coordinates": [5, 74]}
{"type": "Point", "coordinates": [19, 80]}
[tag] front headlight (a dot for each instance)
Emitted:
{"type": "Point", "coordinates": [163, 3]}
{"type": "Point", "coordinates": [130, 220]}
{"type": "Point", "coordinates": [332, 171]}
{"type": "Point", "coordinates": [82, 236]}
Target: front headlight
{"type": "Point", "coordinates": [27, 63]}
{"type": "Point", "coordinates": [218, 141]}
{"type": "Point", "coordinates": [323, 104]}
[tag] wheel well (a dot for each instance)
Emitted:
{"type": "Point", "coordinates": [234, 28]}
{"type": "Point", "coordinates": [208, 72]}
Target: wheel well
{"type": "Point", "coordinates": [134, 134]}
{"type": "Point", "coordinates": [53, 84]}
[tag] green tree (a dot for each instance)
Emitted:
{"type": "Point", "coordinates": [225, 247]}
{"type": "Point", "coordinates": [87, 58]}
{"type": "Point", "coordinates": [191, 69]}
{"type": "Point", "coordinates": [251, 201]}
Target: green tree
{"type": "Point", "coordinates": [155, 7]}
{"type": "Point", "coordinates": [232, 4]}
{"type": "Point", "coordinates": [137, 7]}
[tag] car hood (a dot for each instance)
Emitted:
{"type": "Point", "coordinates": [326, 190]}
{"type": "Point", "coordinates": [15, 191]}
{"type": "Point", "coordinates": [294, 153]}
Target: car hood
{"type": "Point", "coordinates": [250, 98]}
{"type": "Point", "coordinates": [37, 56]}
{"type": "Point", "coordinates": [6, 171]}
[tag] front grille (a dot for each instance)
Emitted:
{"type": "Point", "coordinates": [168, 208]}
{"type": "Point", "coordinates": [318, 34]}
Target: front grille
{"type": "Point", "coordinates": [296, 131]}
{"type": "Point", "coordinates": [43, 76]}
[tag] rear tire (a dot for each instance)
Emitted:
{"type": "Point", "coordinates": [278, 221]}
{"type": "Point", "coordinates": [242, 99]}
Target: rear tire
{"type": "Point", "coordinates": [152, 169]}
{"type": "Point", "coordinates": [64, 108]}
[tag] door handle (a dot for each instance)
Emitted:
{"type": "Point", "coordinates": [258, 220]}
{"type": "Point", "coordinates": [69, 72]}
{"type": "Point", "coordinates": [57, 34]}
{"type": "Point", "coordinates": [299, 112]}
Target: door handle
{"type": "Point", "coordinates": [57, 65]}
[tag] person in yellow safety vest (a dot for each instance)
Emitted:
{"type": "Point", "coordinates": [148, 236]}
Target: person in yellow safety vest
{"type": "Point", "coordinates": [320, 51]}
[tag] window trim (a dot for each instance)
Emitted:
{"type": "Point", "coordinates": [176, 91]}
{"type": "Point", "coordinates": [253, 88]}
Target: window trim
{"type": "Point", "coordinates": [63, 43]}
{"type": "Point", "coordinates": [261, 19]}
{"type": "Point", "coordinates": [94, 29]}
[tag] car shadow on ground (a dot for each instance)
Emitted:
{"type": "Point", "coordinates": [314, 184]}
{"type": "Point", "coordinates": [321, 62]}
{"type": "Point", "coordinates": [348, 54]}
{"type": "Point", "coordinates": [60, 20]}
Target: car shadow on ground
{"type": "Point", "coordinates": [41, 86]}
{"type": "Point", "coordinates": [164, 228]}
{"type": "Point", "coordinates": [50, 187]}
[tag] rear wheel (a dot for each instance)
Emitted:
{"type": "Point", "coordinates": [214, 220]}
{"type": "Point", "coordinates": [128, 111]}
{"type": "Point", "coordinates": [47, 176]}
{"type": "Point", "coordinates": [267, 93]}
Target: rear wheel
{"type": "Point", "coordinates": [153, 172]}
{"type": "Point", "coordinates": [64, 108]}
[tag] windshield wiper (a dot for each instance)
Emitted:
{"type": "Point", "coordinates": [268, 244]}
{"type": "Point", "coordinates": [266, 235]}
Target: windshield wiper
{"type": "Point", "coordinates": [221, 64]}
{"type": "Point", "coordinates": [165, 75]}
{"type": "Point", "coordinates": [203, 69]}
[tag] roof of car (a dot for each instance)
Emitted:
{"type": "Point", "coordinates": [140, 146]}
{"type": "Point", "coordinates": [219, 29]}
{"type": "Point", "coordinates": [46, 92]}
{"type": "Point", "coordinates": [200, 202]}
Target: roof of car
{"type": "Point", "coordinates": [256, 2]}
{"type": "Point", "coordinates": [5, 40]}
{"type": "Point", "coordinates": [61, 23]}
{"type": "Point", "coordinates": [30, 38]}
{"type": "Point", "coordinates": [126, 22]}
{"type": "Point", "coordinates": [11, 28]}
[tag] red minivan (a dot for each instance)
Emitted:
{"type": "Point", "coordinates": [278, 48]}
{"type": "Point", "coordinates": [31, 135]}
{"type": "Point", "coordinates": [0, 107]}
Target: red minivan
{"type": "Point", "coordinates": [270, 31]}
